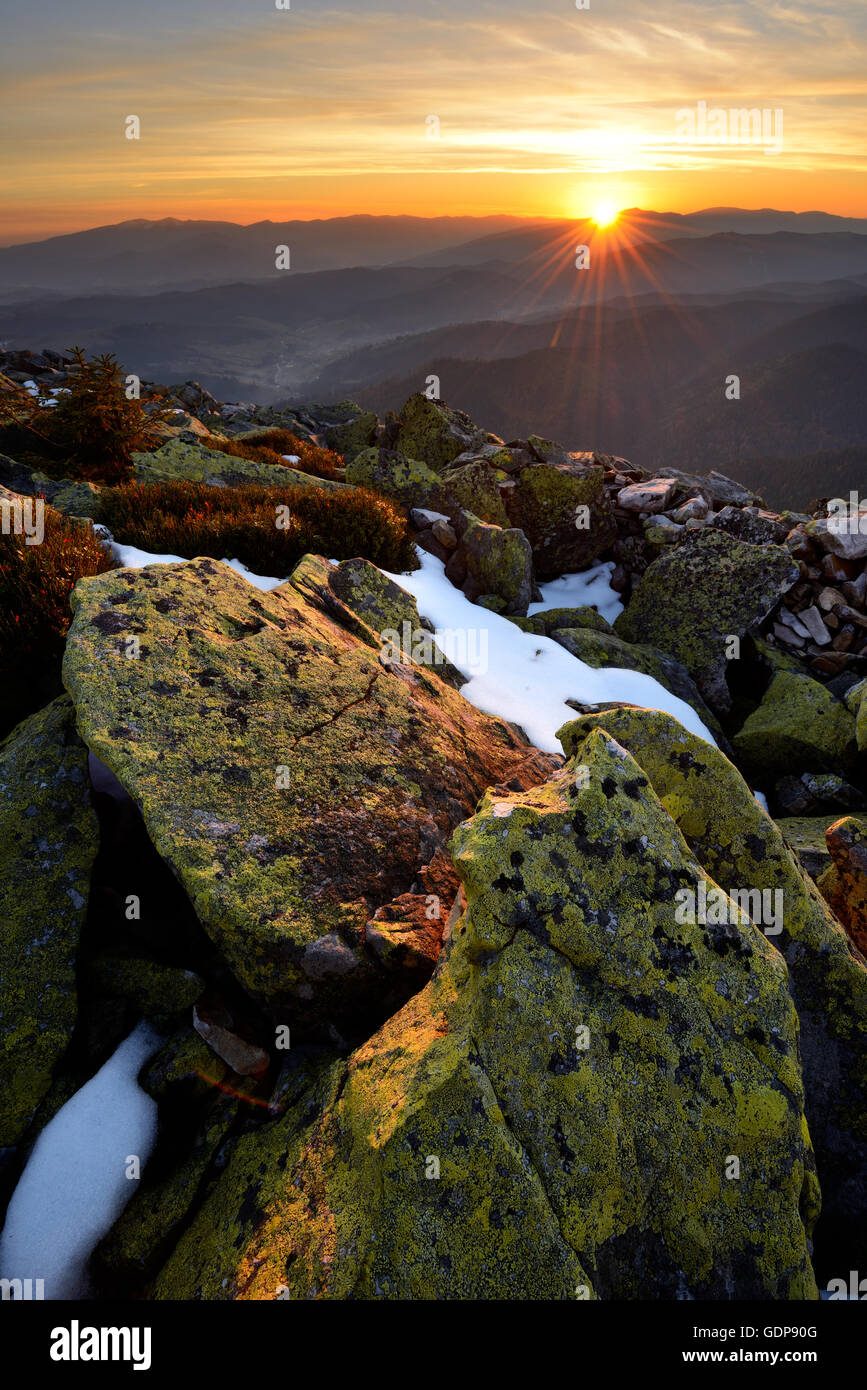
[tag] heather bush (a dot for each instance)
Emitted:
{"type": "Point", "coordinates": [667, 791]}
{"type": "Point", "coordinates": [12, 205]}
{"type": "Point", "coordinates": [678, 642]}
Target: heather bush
{"type": "Point", "coordinates": [35, 584]}
{"type": "Point", "coordinates": [268, 529]}
{"type": "Point", "coordinates": [270, 446]}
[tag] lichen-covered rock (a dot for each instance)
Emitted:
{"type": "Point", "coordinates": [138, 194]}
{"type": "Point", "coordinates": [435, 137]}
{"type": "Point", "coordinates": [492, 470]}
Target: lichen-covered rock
{"type": "Point", "coordinates": [71, 496]}
{"type": "Point", "coordinates": [805, 836]}
{"type": "Point", "coordinates": [742, 848]}
{"type": "Point", "coordinates": [564, 511]}
{"type": "Point", "coordinates": [844, 883]}
{"type": "Point", "coordinates": [698, 594]}
{"type": "Point", "coordinates": [351, 436]}
{"type": "Point", "coordinates": [798, 725]}
{"type": "Point", "coordinates": [813, 792]}
{"type": "Point", "coordinates": [473, 488]}
{"type": "Point", "coordinates": [560, 1113]}
{"type": "Point", "coordinates": [293, 781]}
{"type": "Point", "coordinates": [49, 839]}
{"type": "Point", "coordinates": [406, 480]}
{"type": "Point", "coordinates": [431, 431]}
{"type": "Point", "coordinates": [180, 461]}
{"type": "Point", "coordinates": [857, 704]}
{"type": "Point", "coordinates": [601, 649]}
{"type": "Point", "coordinates": [492, 560]}
{"type": "Point", "coordinates": [151, 986]}
{"type": "Point", "coordinates": [389, 615]}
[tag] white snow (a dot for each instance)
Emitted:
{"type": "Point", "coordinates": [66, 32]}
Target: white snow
{"type": "Point", "coordinates": [528, 679]}
{"type": "Point", "coordinates": [591, 588]}
{"type": "Point", "coordinates": [74, 1186]}
{"type": "Point", "coordinates": [132, 558]}
{"type": "Point", "coordinates": [291, 458]}
{"type": "Point", "coordinates": [259, 581]}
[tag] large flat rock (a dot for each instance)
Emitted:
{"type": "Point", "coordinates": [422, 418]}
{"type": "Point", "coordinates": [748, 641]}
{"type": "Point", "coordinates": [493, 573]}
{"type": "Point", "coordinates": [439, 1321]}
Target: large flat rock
{"type": "Point", "coordinates": [293, 780]}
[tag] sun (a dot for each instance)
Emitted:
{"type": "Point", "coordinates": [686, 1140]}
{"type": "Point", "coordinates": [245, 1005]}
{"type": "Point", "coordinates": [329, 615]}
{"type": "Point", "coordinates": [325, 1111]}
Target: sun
{"type": "Point", "coordinates": [604, 214]}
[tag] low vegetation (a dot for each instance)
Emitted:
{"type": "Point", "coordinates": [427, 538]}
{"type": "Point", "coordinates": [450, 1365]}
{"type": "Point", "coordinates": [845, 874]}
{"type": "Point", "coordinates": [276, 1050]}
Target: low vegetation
{"type": "Point", "coordinates": [268, 529]}
{"type": "Point", "coordinates": [35, 584]}
{"type": "Point", "coordinates": [272, 446]}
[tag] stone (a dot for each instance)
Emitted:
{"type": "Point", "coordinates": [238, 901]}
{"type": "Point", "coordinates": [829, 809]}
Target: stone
{"type": "Point", "coordinates": [844, 883]}
{"type": "Point", "coordinates": [740, 847]}
{"type": "Point", "coordinates": [798, 725]}
{"type": "Point", "coordinates": [215, 1027]}
{"type": "Point", "coordinates": [842, 536]}
{"type": "Point", "coordinates": [407, 480]}
{"type": "Point", "coordinates": [751, 525]}
{"type": "Point", "coordinates": [651, 496]}
{"type": "Point", "coordinates": [473, 488]}
{"type": "Point", "coordinates": [445, 534]}
{"type": "Point", "coordinates": [431, 431]}
{"type": "Point", "coordinates": [805, 836]}
{"type": "Point", "coordinates": [719, 489]}
{"type": "Point", "coordinates": [351, 436]}
{"type": "Point", "coordinates": [811, 619]}
{"type": "Point", "coordinates": [179, 461]}
{"type": "Point", "coordinates": [508, 1133]}
{"type": "Point", "coordinates": [492, 560]}
{"type": "Point", "coordinates": [565, 513]}
{"type": "Point", "coordinates": [697, 595]}
{"type": "Point", "coordinates": [807, 794]}
{"type": "Point", "coordinates": [49, 840]}
{"type": "Point", "coordinates": [292, 781]}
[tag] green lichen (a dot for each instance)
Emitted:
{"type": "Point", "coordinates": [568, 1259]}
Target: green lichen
{"type": "Point", "coordinates": [700, 594]}
{"type": "Point", "coordinates": [49, 838]}
{"type": "Point", "coordinates": [293, 781]}
{"type": "Point", "coordinates": [475, 1148]}
{"type": "Point", "coordinates": [564, 511]}
{"type": "Point", "coordinates": [798, 727]}
{"type": "Point", "coordinates": [741, 847]}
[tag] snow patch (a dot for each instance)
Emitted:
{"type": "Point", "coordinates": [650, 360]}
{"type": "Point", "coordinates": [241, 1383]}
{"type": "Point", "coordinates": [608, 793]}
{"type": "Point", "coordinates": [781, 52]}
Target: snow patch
{"type": "Point", "coordinates": [529, 679]}
{"type": "Point", "coordinates": [74, 1186]}
{"type": "Point", "coordinates": [590, 588]}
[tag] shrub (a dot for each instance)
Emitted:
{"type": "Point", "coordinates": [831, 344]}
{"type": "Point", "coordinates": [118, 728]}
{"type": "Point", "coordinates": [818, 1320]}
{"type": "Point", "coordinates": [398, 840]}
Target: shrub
{"type": "Point", "coordinates": [269, 446]}
{"type": "Point", "coordinates": [190, 519]}
{"type": "Point", "coordinates": [35, 584]}
{"type": "Point", "coordinates": [93, 430]}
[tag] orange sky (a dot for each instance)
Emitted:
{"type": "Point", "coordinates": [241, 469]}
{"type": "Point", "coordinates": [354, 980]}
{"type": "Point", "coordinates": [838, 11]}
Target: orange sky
{"type": "Point", "coordinates": [251, 112]}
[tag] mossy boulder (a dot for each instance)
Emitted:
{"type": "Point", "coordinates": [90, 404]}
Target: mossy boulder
{"type": "Point", "coordinates": [180, 461]}
{"type": "Point", "coordinates": [390, 613]}
{"type": "Point", "coordinates": [473, 488]}
{"type": "Point", "coordinates": [351, 436]}
{"type": "Point", "coordinates": [406, 480]}
{"type": "Point", "coordinates": [492, 561]}
{"type": "Point", "coordinates": [798, 726]}
{"type": "Point", "coordinates": [431, 431]}
{"type": "Point", "coordinates": [742, 848]}
{"type": "Point", "coordinates": [697, 595]}
{"type": "Point", "coordinates": [857, 704]}
{"type": "Point", "coordinates": [555, 1115]}
{"type": "Point", "coordinates": [71, 496]}
{"type": "Point", "coordinates": [564, 511]}
{"type": "Point", "coordinates": [49, 839]}
{"type": "Point", "coordinates": [151, 987]}
{"type": "Point", "coordinates": [805, 836]}
{"type": "Point", "coordinates": [293, 781]}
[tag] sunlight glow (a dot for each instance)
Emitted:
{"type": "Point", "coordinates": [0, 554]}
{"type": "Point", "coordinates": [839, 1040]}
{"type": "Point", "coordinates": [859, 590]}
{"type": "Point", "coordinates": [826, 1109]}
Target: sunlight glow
{"type": "Point", "coordinates": [604, 214]}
